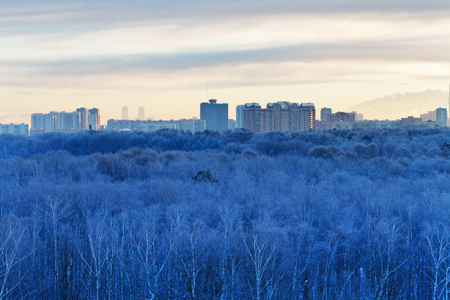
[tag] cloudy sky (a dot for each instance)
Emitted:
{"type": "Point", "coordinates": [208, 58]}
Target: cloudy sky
{"type": "Point", "coordinates": [60, 55]}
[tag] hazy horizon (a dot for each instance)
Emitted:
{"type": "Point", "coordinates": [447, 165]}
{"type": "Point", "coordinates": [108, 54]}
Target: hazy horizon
{"type": "Point", "coordinates": [61, 55]}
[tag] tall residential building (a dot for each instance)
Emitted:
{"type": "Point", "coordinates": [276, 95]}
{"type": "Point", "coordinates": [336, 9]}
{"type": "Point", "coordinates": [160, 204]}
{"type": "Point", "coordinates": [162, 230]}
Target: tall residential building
{"type": "Point", "coordinates": [83, 117]}
{"type": "Point", "coordinates": [94, 119]}
{"type": "Point", "coordinates": [125, 113]}
{"type": "Point", "coordinates": [279, 116]}
{"type": "Point", "coordinates": [441, 116]}
{"type": "Point", "coordinates": [68, 121]}
{"type": "Point", "coordinates": [215, 114]}
{"type": "Point", "coordinates": [240, 116]}
{"type": "Point", "coordinates": [307, 117]}
{"type": "Point", "coordinates": [73, 122]}
{"type": "Point", "coordinates": [44, 123]}
{"type": "Point", "coordinates": [141, 113]}
{"type": "Point", "coordinates": [50, 122]}
{"type": "Point", "coordinates": [323, 113]}
{"type": "Point", "coordinates": [61, 120]}
{"type": "Point", "coordinates": [37, 123]}
{"type": "Point", "coordinates": [252, 117]}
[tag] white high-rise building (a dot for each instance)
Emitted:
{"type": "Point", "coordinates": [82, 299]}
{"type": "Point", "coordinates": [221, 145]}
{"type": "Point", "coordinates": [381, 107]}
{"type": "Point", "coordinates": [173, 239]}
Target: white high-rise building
{"type": "Point", "coordinates": [141, 113]}
{"type": "Point", "coordinates": [81, 119]}
{"type": "Point", "coordinates": [37, 123]}
{"type": "Point", "coordinates": [50, 120]}
{"type": "Point", "coordinates": [125, 113]}
{"type": "Point", "coordinates": [94, 119]}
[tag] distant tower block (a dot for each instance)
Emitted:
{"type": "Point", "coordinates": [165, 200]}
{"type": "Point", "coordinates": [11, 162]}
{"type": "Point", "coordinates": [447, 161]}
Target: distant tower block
{"type": "Point", "coordinates": [94, 119]}
{"type": "Point", "coordinates": [441, 116]}
{"type": "Point", "coordinates": [141, 113]}
{"type": "Point", "coordinates": [215, 114]}
{"type": "Point", "coordinates": [323, 114]}
{"type": "Point", "coordinates": [125, 113]}
{"type": "Point", "coordinates": [240, 116]}
{"type": "Point", "coordinates": [83, 117]}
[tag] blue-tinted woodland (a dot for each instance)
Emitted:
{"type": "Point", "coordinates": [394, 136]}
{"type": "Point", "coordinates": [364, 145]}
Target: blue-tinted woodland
{"type": "Point", "coordinates": [172, 215]}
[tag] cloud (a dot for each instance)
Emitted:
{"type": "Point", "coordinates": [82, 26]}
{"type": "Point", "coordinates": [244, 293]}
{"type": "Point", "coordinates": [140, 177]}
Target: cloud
{"type": "Point", "coordinates": [260, 45]}
{"type": "Point", "coordinates": [98, 14]}
{"type": "Point", "coordinates": [385, 51]}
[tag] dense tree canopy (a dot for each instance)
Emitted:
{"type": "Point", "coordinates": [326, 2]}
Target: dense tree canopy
{"type": "Point", "coordinates": [359, 214]}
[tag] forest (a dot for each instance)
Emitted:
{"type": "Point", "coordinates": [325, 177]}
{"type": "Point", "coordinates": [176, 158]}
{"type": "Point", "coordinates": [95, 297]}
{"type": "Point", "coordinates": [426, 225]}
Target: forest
{"type": "Point", "coordinates": [362, 214]}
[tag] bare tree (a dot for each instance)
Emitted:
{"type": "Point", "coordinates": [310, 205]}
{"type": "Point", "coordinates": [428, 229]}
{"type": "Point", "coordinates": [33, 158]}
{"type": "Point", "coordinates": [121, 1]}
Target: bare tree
{"type": "Point", "coordinates": [437, 247]}
{"type": "Point", "coordinates": [97, 252]}
{"type": "Point", "coordinates": [56, 210]}
{"type": "Point", "coordinates": [261, 252]}
{"type": "Point", "coordinates": [153, 251]}
{"type": "Point", "coordinates": [189, 252]}
{"type": "Point", "coordinates": [13, 251]}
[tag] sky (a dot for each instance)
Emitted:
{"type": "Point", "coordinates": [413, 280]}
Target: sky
{"type": "Point", "coordinates": [169, 56]}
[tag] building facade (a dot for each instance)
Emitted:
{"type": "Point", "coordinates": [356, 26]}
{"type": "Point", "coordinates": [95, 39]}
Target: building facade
{"type": "Point", "coordinates": [279, 116]}
{"type": "Point", "coordinates": [340, 120]}
{"type": "Point", "coordinates": [240, 116]}
{"type": "Point", "coordinates": [14, 129]}
{"type": "Point", "coordinates": [141, 113]}
{"type": "Point", "coordinates": [125, 113]}
{"type": "Point", "coordinates": [81, 119]}
{"type": "Point", "coordinates": [429, 116]}
{"type": "Point", "coordinates": [68, 121]}
{"type": "Point", "coordinates": [231, 124]}
{"type": "Point", "coordinates": [193, 125]}
{"type": "Point", "coordinates": [94, 119]}
{"type": "Point", "coordinates": [410, 120]}
{"type": "Point", "coordinates": [441, 116]}
{"type": "Point", "coordinates": [323, 113]}
{"type": "Point", "coordinates": [215, 115]}
{"type": "Point", "coordinates": [50, 122]}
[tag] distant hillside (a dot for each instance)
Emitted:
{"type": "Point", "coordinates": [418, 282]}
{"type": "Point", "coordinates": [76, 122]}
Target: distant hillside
{"type": "Point", "coordinates": [400, 105]}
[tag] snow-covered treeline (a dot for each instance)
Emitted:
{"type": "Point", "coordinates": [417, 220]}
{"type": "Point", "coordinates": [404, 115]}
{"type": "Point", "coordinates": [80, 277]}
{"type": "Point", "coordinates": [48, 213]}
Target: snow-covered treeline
{"type": "Point", "coordinates": [174, 215]}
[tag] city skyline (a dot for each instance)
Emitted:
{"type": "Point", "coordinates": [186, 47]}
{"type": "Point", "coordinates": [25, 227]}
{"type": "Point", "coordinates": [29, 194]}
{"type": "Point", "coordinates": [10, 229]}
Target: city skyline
{"type": "Point", "coordinates": [59, 55]}
{"type": "Point", "coordinates": [278, 116]}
